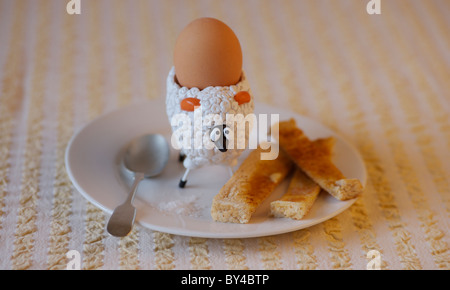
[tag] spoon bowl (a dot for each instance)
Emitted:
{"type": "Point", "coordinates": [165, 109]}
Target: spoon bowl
{"type": "Point", "coordinates": [147, 154]}
{"type": "Point", "coordinates": [145, 157]}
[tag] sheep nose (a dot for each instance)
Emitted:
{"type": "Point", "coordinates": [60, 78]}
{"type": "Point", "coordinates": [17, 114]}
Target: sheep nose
{"type": "Point", "coordinates": [219, 137]}
{"type": "Point", "coordinates": [223, 148]}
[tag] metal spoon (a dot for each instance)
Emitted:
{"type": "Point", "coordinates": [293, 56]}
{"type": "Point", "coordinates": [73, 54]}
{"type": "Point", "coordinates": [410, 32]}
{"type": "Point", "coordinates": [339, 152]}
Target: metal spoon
{"type": "Point", "coordinates": [145, 157]}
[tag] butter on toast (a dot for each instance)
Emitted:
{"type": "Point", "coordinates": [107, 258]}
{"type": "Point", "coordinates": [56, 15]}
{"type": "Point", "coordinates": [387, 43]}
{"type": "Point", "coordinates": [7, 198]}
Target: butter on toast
{"type": "Point", "coordinates": [302, 191]}
{"type": "Point", "coordinates": [249, 186]}
{"type": "Point", "coordinates": [316, 163]}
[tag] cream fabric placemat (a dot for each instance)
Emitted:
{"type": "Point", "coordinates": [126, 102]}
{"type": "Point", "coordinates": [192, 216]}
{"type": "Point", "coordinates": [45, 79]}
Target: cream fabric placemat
{"type": "Point", "coordinates": [382, 81]}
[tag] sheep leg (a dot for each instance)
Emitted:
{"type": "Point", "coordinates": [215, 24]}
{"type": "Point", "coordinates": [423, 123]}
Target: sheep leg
{"type": "Point", "coordinates": [183, 180]}
{"type": "Point", "coordinates": [181, 157]}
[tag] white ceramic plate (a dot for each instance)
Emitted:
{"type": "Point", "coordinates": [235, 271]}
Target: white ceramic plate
{"type": "Point", "coordinates": [92, 164]}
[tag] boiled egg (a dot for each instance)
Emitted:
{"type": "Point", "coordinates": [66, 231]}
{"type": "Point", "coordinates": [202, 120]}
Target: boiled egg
{"type": "Point", "coordinates": [207, 53]}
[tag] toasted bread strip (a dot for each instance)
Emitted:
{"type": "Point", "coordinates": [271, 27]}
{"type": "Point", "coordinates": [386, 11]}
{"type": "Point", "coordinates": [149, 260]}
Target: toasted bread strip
{"type": "Point", "coordinates": [251, 184]}
{"type": "Point", "coordinates": [302, 191]}
{"type": "Point", "coordinates": [316, 163]}
{"type": "Point", "coordinates": [299, 198]}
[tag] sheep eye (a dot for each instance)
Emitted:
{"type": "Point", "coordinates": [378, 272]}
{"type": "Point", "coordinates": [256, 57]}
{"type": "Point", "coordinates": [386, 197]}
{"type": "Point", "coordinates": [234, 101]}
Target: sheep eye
{"type": "Point", "coordinates": [215, 134]}
{"type": "Point", "coordinates": [226, 132]}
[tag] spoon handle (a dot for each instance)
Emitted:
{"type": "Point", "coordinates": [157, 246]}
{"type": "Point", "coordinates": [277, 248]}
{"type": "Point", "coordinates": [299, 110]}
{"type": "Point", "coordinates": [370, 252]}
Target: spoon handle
{"type": "Point", "coordinates": [122, 219]}
{"type": "Point", "coordinates": [137, 179]}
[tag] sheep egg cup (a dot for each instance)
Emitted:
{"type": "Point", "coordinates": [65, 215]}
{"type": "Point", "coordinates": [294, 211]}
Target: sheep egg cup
{"type": "Point", "coordinates": [192, 128]}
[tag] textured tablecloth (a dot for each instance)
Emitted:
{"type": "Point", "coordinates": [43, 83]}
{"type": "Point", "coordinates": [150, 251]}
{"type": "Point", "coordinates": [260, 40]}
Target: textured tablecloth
{"type": "Point", "coordinates": [382, 81]}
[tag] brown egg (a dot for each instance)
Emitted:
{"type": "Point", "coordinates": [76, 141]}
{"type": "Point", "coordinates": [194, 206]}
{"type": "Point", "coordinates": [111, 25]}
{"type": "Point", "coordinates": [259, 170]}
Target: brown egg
{"type": "Point", "coordinates": [207, 53]}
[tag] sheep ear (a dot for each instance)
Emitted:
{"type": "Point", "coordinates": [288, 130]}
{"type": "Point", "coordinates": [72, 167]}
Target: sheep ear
{"type": "Point", "coordinates": [189, 104]}
{"type": "Point", "coordinates": [242, 97]}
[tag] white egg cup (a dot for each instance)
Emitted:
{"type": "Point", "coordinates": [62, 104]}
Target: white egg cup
{"type": "Point", "coordinates": [208, 134]}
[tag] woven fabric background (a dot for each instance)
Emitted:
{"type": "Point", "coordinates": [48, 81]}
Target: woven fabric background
{"type": "Point", "coordinates": [382, 81]}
